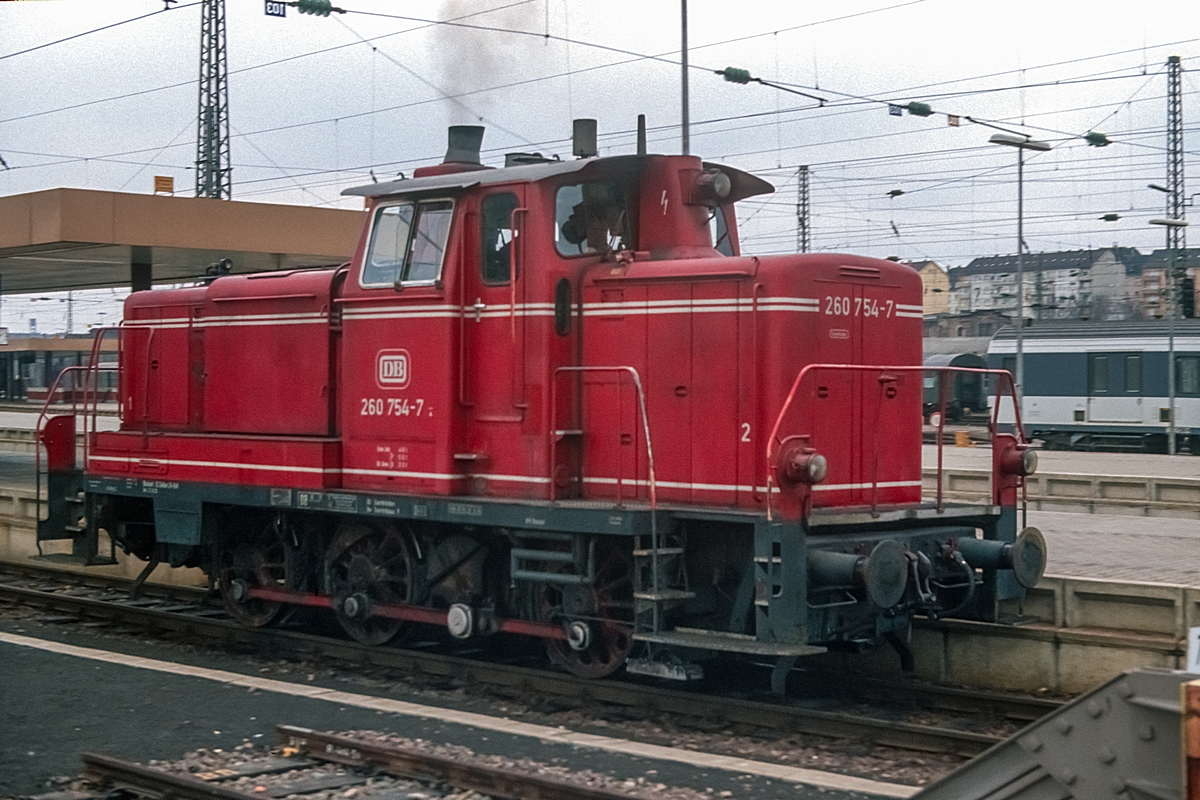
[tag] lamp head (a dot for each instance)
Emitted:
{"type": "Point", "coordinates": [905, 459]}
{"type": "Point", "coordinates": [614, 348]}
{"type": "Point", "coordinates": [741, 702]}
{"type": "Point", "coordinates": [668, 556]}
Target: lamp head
{"type": "Point", "coordinates": [1023, 142]}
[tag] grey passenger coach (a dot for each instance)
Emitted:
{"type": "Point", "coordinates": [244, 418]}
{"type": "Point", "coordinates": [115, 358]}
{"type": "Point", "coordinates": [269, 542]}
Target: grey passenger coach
{"type": "Point", "coordinates": [1104, 385]}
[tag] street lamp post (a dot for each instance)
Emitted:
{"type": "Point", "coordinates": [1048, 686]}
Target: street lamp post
{"type": "Point", "coordinates": [1172, 291]}
{"type": "Point", "coordinates": [685, 123]}
{"type": "Point", "coordinates": [1022, 143]}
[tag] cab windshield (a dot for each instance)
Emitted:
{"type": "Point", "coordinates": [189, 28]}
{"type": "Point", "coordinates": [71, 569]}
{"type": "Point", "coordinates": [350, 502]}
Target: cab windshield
{"type": "Point", "coordinates": [408, 243]}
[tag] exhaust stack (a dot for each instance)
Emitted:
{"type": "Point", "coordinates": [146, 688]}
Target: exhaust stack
{"type": "Point", "coordinates": [465, 142]}
{"type": "Point", "coordinates": [583, 138]}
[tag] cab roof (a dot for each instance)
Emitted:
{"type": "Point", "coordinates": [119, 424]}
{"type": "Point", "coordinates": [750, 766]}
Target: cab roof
{"type": "Point", "coordinates": [743, 184]}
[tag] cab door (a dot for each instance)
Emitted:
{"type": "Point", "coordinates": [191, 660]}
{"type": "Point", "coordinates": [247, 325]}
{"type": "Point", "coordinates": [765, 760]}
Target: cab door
{"type": "Point", "coordinates": [493, 326]}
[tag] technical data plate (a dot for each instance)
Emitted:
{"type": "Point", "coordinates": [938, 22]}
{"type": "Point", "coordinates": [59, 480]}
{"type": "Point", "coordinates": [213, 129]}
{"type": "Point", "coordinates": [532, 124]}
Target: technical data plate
{"type": "Point", "coordinates": [563, 516]}
{"type": "Point", "coordinates": [698, 639]}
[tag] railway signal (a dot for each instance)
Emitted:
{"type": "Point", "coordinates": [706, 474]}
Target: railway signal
{"type": "Point", "coordinates": [319, 8]}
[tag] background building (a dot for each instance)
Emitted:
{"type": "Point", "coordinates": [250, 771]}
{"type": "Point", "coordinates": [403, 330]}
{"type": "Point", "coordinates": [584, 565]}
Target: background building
{"type": "Point", "coordinates": [1075, 284]}
{"type": "Point", "coordinates": [935, 287]}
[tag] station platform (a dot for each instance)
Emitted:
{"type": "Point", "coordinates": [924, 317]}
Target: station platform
{"type": "Point", "coordinates": [66, 692]}
{"type": "Point", "coordinates": [1112, 464]}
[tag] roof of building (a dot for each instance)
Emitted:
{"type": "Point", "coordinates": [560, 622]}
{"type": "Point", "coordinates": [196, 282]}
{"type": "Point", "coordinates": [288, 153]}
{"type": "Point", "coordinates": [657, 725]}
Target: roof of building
{"type": "Point", "coordinates": [920, 265]}
{"type": "Point", "coordinates": [1188, 257]}
{"type": "Point", "coordinates": [1063, 259]}
{"type": "Point", "coordinates": [82, 238]}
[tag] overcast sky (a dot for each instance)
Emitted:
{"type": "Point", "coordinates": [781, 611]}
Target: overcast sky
{"type": "Point", "coordinates": [317, 103]}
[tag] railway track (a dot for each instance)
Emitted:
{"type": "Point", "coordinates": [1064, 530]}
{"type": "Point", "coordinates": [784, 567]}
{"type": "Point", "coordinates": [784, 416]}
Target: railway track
{"type": "Point", "coordinates": [359, 763]}
{"type": "Point", "coordinates": [190, 613]}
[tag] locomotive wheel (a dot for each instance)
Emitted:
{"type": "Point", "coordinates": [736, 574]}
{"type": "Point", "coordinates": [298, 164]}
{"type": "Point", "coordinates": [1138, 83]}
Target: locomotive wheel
{"type": "Point", "coordinates": [609, 613]}
{"type": "Point", "coordinates": [261, 556]}
{"type": "Point", "coordinates": [371, 563]}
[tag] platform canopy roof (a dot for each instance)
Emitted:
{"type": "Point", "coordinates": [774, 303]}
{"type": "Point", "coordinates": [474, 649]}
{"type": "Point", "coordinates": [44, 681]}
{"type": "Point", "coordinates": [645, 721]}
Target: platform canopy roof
{"type": "Point", "coordinates": [82, 239]}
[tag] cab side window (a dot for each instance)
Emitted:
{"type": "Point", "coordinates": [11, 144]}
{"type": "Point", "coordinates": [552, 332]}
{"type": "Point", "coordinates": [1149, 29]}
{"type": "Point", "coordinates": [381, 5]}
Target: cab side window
{"type": "Point", "coordinates": [408, 243]}
{"type": "Point", "coordinates": [590, 218]}
{"type": "Point", "coordinates": [496, 220]}
{"type": "Point", "coordinates": [719, 231]}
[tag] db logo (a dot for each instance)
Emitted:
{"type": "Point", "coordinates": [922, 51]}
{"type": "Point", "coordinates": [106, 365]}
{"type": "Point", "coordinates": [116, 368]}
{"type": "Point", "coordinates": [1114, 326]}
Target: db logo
{"type": "Point", "coordinates": [391, 369]}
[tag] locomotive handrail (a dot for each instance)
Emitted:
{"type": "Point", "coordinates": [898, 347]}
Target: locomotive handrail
{"type": "Point", "coordinates": [93, 364]}
{"type": "Point", "coordinates": [1003, 376]}
{"type": "Point", "coordinates": [637, 382]}
{"type": "Point", "coordinates": [37, 430]}
{"type": "Point", "coordinates": [75, 404]}
{"type": "Point", "coordinates": [515, 258]}
{"type": "Point", "coordinates": [92, 368]}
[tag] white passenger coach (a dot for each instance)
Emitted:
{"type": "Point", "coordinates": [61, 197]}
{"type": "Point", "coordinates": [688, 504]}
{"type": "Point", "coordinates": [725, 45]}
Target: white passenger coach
{"type": "Point", "coordinates": [1104, 385]}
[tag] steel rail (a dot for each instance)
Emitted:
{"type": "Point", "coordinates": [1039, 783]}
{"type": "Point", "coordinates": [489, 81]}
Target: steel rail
{"type": "Point", "coordinates": [775, 716]}
{"type": "Point", "coordinates": [410, 762]}
{"type": "Point", "coordinates": [122, 774]}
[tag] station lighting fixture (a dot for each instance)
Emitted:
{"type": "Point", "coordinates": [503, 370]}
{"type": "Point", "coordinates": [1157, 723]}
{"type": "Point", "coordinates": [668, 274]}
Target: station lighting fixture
{"type": "Point", "coordinates": [1171, 291]}
{"type": "Point", "coordinates": [1021, 143]}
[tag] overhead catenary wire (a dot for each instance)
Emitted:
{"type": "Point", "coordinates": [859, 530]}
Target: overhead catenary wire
{"type": "Point", "coordinates": [80, 35]}
{"type": "Point", "coordinates": [313, 178]}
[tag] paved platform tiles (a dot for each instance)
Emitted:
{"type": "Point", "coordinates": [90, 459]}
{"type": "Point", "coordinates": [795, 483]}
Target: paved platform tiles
{"type": "Point", "coordinates": [1139, 464]}
{"type": "Point", "coordinates": [1142, 549]}
{"type": "Point", "coordinates": [61, 696]}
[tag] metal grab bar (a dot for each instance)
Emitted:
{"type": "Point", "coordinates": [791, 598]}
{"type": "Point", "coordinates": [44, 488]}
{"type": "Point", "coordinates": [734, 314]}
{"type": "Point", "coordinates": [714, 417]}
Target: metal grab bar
{"type": "Point", "coordinates": [637, 382]}
{"type": "Point", "coordinates": [1005, 379]}
{"type": "Point", "coordinates": [75, 404]}
{"type": "Point", "coordinates": [91, 391]}
{"type": "Point", "coordinates": [94, 369]}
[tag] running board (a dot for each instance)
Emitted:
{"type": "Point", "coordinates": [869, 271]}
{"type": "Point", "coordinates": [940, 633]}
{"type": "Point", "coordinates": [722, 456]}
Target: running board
{"type": "Point", "coordinates": [700, 639]}
{"type": "Point", "coordinates": [660, 669]}
{"type": "Point", "coordinates": [74, 560]}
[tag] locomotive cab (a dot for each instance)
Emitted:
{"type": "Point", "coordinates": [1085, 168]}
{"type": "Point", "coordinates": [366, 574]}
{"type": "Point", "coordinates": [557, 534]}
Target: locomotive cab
{"type": "Point", "coordinates": [553, 399]}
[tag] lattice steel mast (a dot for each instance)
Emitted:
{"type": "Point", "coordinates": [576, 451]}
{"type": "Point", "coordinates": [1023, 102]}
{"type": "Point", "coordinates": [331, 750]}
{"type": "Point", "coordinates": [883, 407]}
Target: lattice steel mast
{"type": "Point", "coordinates": [802, 243]}
{"type": "Point", "coordinates": [214, 174]}
{"type": "Point", "coordinates": [1176, 234]}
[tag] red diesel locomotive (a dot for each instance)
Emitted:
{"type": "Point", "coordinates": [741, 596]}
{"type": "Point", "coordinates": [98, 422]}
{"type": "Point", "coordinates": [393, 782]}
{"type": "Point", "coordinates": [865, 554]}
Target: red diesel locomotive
{"type": "Point", "coordinates": [551, 399]}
